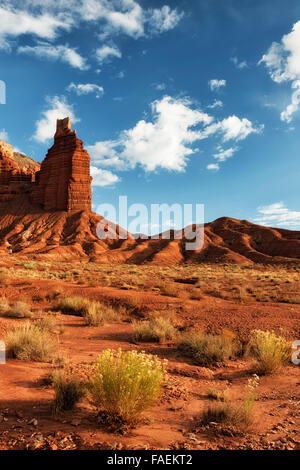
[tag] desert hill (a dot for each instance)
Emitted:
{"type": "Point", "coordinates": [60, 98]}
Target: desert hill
{"type": "Point", "coordinates": [25, 229]}
{"type": "Point", "coordinates": [45, 211]}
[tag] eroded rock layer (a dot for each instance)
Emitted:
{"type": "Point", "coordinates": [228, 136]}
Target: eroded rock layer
{"type": "Point", "coordinates": [64, 182]}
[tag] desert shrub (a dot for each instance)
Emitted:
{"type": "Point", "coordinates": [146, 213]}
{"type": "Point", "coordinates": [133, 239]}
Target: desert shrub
{"type": "Point", "coordinates": [45, 323]}
{"type": "Point", "coordinates": [126, 383]}
{"type": "Point", "coordinates": [19, 310]}
{"type": "Point", "coordinates": [29, 343]}
{"type": "Point", "coordinates": [157, 329]}
{"type": "Point", "coordinates": [98, 314]}
{"type": "Point", "coordinates": [29, 265]}
{"type": "Point", "coordinates": [208, 348]}
{"type": "Point", "coordinates": [230, 413]}
{"type": "Point", "coordinates": [270, 351]}
{"type": "Point", "coordinates": [94, 313]}
{"type": "Point", "coordinates": [170, 290]}
{"type": "Point", "coordinates": [68, 391]}
{"type": "Point", "coordinates": [216, 394]}
{"type": "Point", "coordinates": [73, 305]}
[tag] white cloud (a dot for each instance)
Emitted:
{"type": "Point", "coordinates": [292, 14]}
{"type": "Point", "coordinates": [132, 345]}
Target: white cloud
{"type": "Point", "coordinates": [238, 129]}
{"type": "Point", "coordinates": [164, 19]}
{"type": "Point", "coordinates": [216, 84]}
{"type": "Point", "coordinates": [3, 135]}
{"type": "Point", "coordinates": [215, 104]}
{"type": "Point", "coordinates": [58, 109]}
{"type": "Point", "coordinates": [59, 52]}
{"type": "Point", "coordinates": [239, 65]}
{"type": "Point", "coordinates": [213, 167]}
{"type": "Point", "coordinates": [278, 215]}
{"type": "Point", "coordinates": [103, 177]}
{"type": "Point", "coordinates": [223, 155]}
{"type": "Point", "coordinates": [166, 141]}
{"type": "Point", "coordinates": [283, 63]}
{"type": "Point", "coordinates": [16, 22]}
{"type": "Point", "coordinates": [86, 88]}
{"type": "Point", "coordinates": [105, 52]}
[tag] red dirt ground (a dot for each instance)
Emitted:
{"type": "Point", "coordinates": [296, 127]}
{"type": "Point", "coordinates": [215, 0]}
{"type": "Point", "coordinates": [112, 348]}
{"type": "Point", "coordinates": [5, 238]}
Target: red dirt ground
{"type": "Point", "coordinates": [25, 398]}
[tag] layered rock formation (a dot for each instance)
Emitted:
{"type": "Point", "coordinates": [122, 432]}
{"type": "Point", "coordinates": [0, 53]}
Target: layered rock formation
{"type": "Point", "coordinates": [64, 182]}
{"type": "Point", "coordinates": [17, 172]}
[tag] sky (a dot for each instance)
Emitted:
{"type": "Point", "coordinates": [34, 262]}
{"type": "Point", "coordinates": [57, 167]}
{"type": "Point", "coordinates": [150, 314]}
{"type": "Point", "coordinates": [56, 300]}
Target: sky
{"type": "Point", "coordinates": [177, 101]}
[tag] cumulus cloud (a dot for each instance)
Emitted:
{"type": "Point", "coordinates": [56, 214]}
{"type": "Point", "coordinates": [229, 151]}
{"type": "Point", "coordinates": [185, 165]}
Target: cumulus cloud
{"type": "Point", "coordinates": [166, 141]}
{"type": "Point", "coordinates": [86, 88]}
{"type": "Point", "coordinates": [216, 84]}
{"type": "Point", "coordinates": [278, 215]}
{"type": "Point", "coordinates": [58, 108]}
{"type": "Point", "coordinates": [163, 19]}
{"type": "Point", "coordinates": [105, 52]}
{"type": "Point", "coordinates": [103, 177]}
{"type": "Point", "coordinates": [213, 167]}
{"type": "Point", "coordinates": [3, 135]}
{"type": "Point", "coordinates": [56, 53]}
{"type": "Point", "coordinates": [283, 63]}
{"type": "Point", "coordinates": [222, 155]}
{"type": "Point", "coordinates": [113, 17]}
{"type": "Point", "coordinates": [16, 22]}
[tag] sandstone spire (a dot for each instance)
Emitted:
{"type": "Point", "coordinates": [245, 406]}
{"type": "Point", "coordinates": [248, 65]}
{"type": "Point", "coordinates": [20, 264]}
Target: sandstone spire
{"type": "Point", "coordinates": [64, 181]}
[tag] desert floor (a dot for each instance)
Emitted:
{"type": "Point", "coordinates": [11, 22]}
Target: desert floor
{"type": "Point", "coordinates": [207, 297]}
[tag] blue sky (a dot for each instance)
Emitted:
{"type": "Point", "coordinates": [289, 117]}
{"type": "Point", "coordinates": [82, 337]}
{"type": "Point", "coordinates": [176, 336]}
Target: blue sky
{"type": "Point", "coordinates": [176, 101]}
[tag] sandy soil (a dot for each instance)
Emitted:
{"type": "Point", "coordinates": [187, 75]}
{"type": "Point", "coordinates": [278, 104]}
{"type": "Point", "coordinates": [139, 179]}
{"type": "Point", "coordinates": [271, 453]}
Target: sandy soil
{"type": "Point", "coordinates": [26, 420]}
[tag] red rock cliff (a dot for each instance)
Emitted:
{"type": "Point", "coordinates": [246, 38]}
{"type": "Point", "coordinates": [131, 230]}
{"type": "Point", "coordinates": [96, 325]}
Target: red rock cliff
{"type": "Point", "coordinates": [17, 172]}
{"type": "Point", "coordinates": [64, 181]}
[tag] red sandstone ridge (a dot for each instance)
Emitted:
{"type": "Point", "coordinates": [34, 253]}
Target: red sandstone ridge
{"type": "Point", "coordinates": [17, 172]}
{"type": "Point", "coordinates": [45, 211]}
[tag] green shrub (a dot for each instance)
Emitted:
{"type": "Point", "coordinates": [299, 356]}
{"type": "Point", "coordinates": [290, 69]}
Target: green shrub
{"type": "Point", "coordinates": [270, 351]}
{"type": "Point", "coordinates": [19, 310]}
{"type": "Point", "coordinates": [157, 329]}
{"type": "Point", "coordinates": [29, 343]}
{"type": "Point", "coordinates": [126, 383]}
{"type": "Point", "coordinates": [68, 391]}
{"type": "Point", "coordinates": [208, 348]}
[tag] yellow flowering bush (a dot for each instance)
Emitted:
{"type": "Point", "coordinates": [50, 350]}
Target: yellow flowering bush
{"type": "Point", "coordinates": [126, 383]}
{"type": "Point", "coordinates": [270, 351]}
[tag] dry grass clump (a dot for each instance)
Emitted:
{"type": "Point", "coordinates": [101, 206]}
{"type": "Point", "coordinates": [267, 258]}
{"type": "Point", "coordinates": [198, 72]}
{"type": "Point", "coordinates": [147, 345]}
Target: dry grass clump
{"type": "Point", "coordinates": [4, 306]}
{"type": "Point", "coordinates": [94, 313]}
{"type": "Point", "coordinates": [125, 384]}
{"type": "Point", "coordinates": [209, 348]}
{"type": "Point", "coordinates": [19, 310]}
{"type": "Point", "coordinates": [73, 305]}
{"type": "Point", "coordinates": [98, 314]}
{"type": "Point", "coordinates": [230, 413]}
{"type": "Point", "coordinates": [271, 352]}
{"type": "Point", "coordinates": [29, 343]}
{"type": "Point", "coordinates": [158, 329]}
{"type": "Point", "coordinates": [68, 391]}
{"type": "Point", "coordinates": [216, 394]}
{"type": "Point", "coordinates": [45, 324]}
